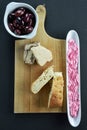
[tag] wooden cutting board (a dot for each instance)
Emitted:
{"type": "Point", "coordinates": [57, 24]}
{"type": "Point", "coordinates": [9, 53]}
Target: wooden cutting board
{"type": "Point", "coordinates": [24, 100]}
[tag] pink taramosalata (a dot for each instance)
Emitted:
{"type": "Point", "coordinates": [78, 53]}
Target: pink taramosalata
{"type": "Point", "coordinates": [73, 77]}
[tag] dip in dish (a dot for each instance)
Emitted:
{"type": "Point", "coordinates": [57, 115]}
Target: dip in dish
{"type": "Point", "coordinates": [73, 77]}
{"type": "Point", "coordinates": [73, 87]}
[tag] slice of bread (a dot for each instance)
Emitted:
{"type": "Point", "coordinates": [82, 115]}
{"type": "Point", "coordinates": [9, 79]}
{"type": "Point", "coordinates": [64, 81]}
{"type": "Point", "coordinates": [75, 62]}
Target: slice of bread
{"type": "Point", "coordinates": [42, 55]}
{"type": "Point", "coordinates": [42, 80]}
{"type": "Point", "coordinates": [29, 58]}
{"type": "Point", "coordinates": [56, 93]}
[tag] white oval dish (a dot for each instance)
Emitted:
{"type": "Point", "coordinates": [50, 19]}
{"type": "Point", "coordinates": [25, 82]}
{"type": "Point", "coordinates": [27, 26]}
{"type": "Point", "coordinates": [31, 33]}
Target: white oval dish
{"type": "Point", "coordinates": [74, 121]}
{"type": "Point", "coordinates": [12, 6]}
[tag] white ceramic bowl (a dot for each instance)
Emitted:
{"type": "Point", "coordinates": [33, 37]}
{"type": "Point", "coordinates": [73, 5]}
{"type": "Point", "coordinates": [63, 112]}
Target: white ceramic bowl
{"type": "Point", "coordinates": [12, 6]}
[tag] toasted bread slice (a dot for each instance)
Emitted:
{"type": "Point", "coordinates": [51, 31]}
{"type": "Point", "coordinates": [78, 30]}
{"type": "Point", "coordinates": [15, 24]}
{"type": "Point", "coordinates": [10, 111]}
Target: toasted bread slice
{"type": "Point", "coordinates": [42, 80]}
{"type": "Point", "coordinates": [42, 55]}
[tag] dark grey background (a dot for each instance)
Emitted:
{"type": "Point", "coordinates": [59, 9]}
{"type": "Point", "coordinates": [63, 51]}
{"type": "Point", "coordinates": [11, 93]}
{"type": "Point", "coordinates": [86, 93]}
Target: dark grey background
{"type": "Point", "coordinates": [62, 16]}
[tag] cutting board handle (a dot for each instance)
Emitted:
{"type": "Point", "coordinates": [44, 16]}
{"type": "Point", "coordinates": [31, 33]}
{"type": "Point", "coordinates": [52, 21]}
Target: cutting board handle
{"type": "Point", "coordinates": [41, 10]}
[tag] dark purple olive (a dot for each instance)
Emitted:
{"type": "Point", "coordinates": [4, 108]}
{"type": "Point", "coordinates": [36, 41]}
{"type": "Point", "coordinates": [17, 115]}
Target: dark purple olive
{"type": "Point", "coordinates": [11, 27]}
{"type": "Point", "coordinates": [19, 19]}
{"type": "Point", "coordinates": [21, 27]}
{"type": "Point", "coordinates": [19, 12]}
{"type": "Point", "coordinates": [23, 9]}
{"type": "Point", "coordinates": [17, 32]}
{"type": "Point", "coordinates": [16, 23]}
{"type": "Point", "coordinates": [30, 22]}
{"type": "Point", "coordinates": [22, 22]}
{"type": "Point", "coordinates": [31, 15]}
{"type": "Point", "coordinates": [26, 18]}
{"type": "Point", "coordinates": [28, 29]}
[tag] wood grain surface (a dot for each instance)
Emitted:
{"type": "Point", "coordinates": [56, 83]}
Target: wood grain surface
{"type": "Point", "coordinates": [24, 100]}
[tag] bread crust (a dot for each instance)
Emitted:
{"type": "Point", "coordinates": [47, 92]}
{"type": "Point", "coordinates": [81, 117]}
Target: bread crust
{"type": "Point", "coordinates": [29, 57]}
{"type": "Point", "coordinates": [56, 93]}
